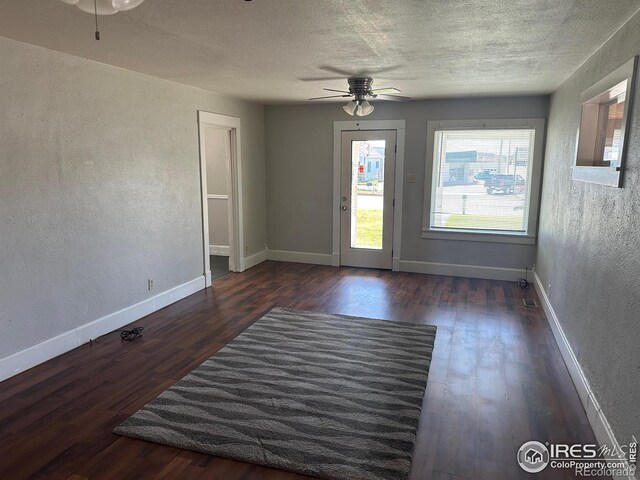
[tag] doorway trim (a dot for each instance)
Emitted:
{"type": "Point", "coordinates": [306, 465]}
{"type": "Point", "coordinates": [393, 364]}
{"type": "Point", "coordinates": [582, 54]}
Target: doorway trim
{"type": "Point", "coordinates": [236, 233]}
{"type": "Point", "coordinates": [338, 128]}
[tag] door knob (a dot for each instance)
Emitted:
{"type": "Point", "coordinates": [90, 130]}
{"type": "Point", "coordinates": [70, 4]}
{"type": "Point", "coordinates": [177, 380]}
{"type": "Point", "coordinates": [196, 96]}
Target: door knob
{"type": "Point", "coordinates": [343, 208]}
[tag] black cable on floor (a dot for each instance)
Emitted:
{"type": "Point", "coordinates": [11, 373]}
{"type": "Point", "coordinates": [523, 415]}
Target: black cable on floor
{"type": "Point", "coordinates": [523, 282]}
{"type": "Point", "coordinates": [131, 334]}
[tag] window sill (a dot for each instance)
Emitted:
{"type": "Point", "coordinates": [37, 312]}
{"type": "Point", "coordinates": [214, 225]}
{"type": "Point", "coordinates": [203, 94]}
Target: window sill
{"type": "Point", "coordinates": [491, 236]}
{"type": "Point", "coordinates": [609, 176]}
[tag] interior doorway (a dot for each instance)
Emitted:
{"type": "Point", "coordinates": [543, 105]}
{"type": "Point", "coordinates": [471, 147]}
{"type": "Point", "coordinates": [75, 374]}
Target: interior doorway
{"type": "Point", "coordinates": [217, 145]}
{"type": "Point", "coordinates": [221, 193]}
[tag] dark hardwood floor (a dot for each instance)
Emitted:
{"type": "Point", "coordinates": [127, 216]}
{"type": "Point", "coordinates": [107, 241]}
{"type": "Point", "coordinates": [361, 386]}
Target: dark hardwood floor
{"type": "Point", "coordinates": [497, 378]}
{"type": "Point", "coordinates": [219, 266]}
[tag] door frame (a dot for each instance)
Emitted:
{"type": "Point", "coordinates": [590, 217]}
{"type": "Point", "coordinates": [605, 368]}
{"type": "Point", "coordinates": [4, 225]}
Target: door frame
{"type": "Point", "coordinates": [362, 256]}
{"type": "Point", "coordinates": [236, 233]}
{"type": "Point", "coordinates": [338, 128]}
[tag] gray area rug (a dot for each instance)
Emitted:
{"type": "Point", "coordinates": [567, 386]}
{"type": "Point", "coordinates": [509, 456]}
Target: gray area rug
{"type": "Point", "coordinates": [332, 396]}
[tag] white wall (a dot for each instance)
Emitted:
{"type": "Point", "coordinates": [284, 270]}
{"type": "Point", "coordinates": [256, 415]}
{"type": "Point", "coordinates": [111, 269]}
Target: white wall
{"type": "Point", "coordinates": [300, 174]}
{"type": "Point", "coordinates": [100, 189]}
{"type": "Point", "coordinates": [588, 248]}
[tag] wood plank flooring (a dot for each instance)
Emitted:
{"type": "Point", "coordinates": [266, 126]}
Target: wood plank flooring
{"type": "Point", "coordinates": [497, 378]}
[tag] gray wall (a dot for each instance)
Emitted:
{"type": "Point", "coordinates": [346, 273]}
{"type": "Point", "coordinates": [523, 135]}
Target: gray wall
{"type": "Point", "coordinates": [588, 246]}
{"type": "Point", "coordinates": [300, 176]}
{"type": "Point", "coordinates": [99, 189]}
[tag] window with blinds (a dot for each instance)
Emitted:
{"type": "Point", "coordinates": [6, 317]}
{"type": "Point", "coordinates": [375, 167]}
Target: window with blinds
{"type": "Point", "coordinates": [481, 180]}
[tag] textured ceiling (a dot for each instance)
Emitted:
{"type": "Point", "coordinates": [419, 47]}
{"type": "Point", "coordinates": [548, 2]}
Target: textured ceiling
{"type": "Point", "coordinates": [282, 51]}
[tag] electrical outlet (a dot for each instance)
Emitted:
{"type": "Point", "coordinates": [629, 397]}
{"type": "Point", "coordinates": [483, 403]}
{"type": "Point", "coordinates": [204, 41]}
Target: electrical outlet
{"type": "Point", "coordinates": [412, 178]}
{"type": "Point", "coordinates": [246, 249]}
{"type": "Point", "coordinates": [549, 289]}
{"type": "Point", "coordinates": [150, 284]}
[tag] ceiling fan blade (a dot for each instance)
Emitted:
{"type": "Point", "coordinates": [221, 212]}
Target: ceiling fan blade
{"type": "Point", "coordinates": [394, 98]}
{"type": "Point", "coordinates": [334, 90]}
{"type": "Point", "coordinates": [330, 96]}
{"type": "Point", "coordinates": [382, 91]}
{"type": "Point", "coordinates": [339, 71]}
{"type": "Point", "coordinates": [360, 72]}
{"type": "Point", "coordinates": [321, 79]}
{"type": "Point", "coordinates": [378, 71]}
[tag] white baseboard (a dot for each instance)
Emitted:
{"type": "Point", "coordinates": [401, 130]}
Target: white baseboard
{"type": "Point", "coordinates": [455, 270]}
{"type": "Point", "coordinates": [37, 354]}
{"type": "Point", "coordinates": [222, 250]}
{"type": "Point", "coordinates": [299, 257]}
{"type": "Point", "coordinates": [253, 260]}
{"type": "Point", "coordinates": [472, 271]}
{"type": "Point", "coordinates": [595, 415]}
{"type": "Point", "coordinates": [395, 264]}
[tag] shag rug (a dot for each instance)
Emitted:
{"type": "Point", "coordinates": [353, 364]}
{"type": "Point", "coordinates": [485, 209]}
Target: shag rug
{"type": "Point", "coordinates": [331, 396]}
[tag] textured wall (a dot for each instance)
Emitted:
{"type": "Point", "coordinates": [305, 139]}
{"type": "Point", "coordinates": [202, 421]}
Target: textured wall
{"type": "Point", "coordinates": [588, 246]}
{"type": "Point", "coordinates": [300, 176]}
{"type": "Point", "coordinates": [99, 189]}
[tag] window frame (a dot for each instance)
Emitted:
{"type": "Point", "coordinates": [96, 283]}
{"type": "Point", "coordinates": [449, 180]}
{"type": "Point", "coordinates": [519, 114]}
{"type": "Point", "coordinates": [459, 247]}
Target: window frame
{"type": "Point", "coordinates": [611, 176]}
{"type": "Point", "coordinates": [529, 236]}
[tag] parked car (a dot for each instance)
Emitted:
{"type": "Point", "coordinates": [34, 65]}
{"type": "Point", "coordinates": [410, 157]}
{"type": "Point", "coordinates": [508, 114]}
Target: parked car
{"type": "Point", "coordinates": [507, 184]}
{"type": "Point", "coordinates": [484, 175]}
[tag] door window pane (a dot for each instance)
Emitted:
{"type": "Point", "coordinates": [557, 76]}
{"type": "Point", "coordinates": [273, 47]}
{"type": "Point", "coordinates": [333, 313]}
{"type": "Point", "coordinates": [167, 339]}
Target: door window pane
{"type": "Point", "coordinates": [367, 193]}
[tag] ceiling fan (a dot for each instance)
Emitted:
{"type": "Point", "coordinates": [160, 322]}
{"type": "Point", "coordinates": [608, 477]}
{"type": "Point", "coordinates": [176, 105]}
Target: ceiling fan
{"type": "Point", "coordinates": [103, 7]}
{"type": "Point", "coordinates": [360, 88]}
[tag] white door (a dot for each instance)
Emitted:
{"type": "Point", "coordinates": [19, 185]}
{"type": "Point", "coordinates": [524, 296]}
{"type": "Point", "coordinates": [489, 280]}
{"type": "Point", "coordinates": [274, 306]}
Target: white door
{"type": "Point", "coordinates": [367, 180]}
{"type": "Point", "coordinates": [217, 143]}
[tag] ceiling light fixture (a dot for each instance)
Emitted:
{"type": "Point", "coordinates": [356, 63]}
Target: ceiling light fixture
{"type": "Point", "coordinates": [364, 109]}
{"type": "Point", "coordinates": [358, 107]}
{"type": "Point", "coordinates": [350, 107]}
{"type": "Point", "coordinates": [103, 7]}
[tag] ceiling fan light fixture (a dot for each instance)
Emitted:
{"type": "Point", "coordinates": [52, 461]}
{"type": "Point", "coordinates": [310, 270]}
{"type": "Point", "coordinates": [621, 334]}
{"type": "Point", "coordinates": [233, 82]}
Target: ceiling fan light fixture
{"type": "Point", "coordinates": [124, 5]}
{"type": "Point", "coordinates": [104, 7]}
{"type": "Point", "coordinates": [101, 7]}
{"type": "Point", "coordinates": [360, 88]}
{"type": "Point", "coordinates": [364, 109]}
{"type": "Point", "coordinates": [350, 107]}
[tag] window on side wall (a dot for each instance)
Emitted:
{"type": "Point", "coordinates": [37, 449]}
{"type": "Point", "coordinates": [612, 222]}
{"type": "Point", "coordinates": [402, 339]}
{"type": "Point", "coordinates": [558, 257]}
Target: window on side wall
{"type": "Point", "coordinates": [483, 180]}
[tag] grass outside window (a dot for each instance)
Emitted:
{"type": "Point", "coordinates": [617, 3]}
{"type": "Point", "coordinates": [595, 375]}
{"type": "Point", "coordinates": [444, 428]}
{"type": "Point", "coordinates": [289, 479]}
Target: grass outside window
{"type": "Point", "coordinates": [369, 228]}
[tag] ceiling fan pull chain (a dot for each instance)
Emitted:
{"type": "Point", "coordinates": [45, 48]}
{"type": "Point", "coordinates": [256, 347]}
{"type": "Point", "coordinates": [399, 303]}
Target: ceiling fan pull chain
{"type": "Point", "coordinates": [95, 6]}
